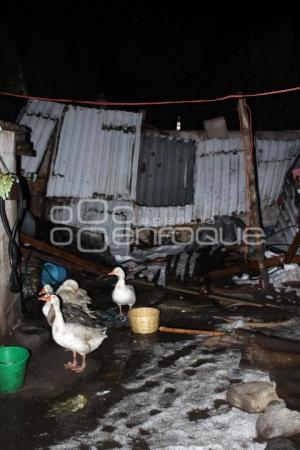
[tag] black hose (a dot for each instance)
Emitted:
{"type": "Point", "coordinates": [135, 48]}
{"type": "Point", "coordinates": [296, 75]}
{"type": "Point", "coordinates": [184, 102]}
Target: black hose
{"type": "Point", "coordinates": [14, 254]}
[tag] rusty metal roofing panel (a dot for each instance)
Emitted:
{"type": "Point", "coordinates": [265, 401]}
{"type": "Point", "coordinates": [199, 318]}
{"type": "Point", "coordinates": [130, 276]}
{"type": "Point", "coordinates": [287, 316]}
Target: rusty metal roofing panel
{"type": "Point", "coordinates": [165, 172]}
{"type": "Point", "coordinates": [41, 131]}
{"type": "Point", "coordinates": [41, 117]}
{"type": "Point", "coordinates": [97, 154]}
{"type": "Point", "coordinates": [220, 177]}
{"type": "Point", "coordinates": [49, 110]}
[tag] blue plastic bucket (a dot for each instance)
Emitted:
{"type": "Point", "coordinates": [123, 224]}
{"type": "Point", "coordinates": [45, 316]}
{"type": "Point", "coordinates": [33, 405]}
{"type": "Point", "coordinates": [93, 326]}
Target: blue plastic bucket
{"type": "Point", "coordinates": [53, 274]}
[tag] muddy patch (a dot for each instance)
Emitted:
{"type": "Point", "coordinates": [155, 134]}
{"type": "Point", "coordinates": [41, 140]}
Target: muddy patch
{"type": "Point", "coordinates": [109, 445]}
{"type": "Point", "coordinates": [200, 362]}
{"type": "Point", "coordinates": [153, 412]}
{"type": "Point", "coordinates": [198, 414]}
{"type": "Point", "coordinates": [139, 444]}
{"type": "Point", "coordinates": [219, 402]}
{"type": "Point", "coordinates": [190, 372]}
{"type": "Point", "coordinates": [168, 360]}
{"type": "Point", "coordinates": [108, 428]}
{"type": "Point", "coordinates": [169, 390]}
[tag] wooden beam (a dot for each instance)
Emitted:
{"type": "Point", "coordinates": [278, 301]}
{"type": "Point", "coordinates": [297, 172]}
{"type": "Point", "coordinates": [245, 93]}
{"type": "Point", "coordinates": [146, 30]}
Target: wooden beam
{"type": "Point", "coordinates": [68, 257]}
{"type": "Point", "coordinates": [252, 187]}
{"type": "Point", "coordinates": [42, 257]}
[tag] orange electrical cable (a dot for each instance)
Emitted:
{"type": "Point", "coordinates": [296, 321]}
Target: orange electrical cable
{"type": "Point", "coordinates": [153, 103]}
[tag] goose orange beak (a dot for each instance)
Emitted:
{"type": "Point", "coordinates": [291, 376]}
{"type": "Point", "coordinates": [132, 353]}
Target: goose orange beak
{"type": "Point", "coordinates": [42, 291]}
{"type": "Point", "coordinates": [111, 273]}
{"type": "Point", "coordinates": [45, 297]}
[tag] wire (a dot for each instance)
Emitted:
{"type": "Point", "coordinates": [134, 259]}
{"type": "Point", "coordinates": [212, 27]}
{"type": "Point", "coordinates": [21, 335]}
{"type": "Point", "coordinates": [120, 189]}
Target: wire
{"type": "Point", "coordinates": [15, 284]}
{"type": "Point", "coordinates": [154, 103]}
{"type": "Point", "coordinates": [282, 229]}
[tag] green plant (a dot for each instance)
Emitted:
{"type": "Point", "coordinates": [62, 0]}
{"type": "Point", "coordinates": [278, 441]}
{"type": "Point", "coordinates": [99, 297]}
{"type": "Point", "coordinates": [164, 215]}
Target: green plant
{"type": "Point", "coordinates": [6, 182]}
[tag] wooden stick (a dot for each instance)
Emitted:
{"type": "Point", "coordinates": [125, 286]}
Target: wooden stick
{"type": "Point", "coordinates": [67, 256]}
{"type": "Point", "coordinates": [186, 331]}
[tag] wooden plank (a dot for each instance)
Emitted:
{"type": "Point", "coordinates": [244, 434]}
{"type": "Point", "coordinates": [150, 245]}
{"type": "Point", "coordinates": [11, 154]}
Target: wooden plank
{"type": "Point", "coordinates": [68, 257]}
{"type": "Point", "coordinates": [55, 259]}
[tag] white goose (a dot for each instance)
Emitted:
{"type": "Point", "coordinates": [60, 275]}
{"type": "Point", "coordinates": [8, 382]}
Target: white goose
{"type": "Point", "coordinates": [123, 294]}
{"type": "Point", "coordinates": [73, 336]}
{"type": "Point", "coordinates": [75, 301]}
{"type": "Point", "coordinates": [70, 292]}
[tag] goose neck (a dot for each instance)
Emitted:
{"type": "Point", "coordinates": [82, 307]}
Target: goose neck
{"type": "Point", "coordinates": [58, 315]}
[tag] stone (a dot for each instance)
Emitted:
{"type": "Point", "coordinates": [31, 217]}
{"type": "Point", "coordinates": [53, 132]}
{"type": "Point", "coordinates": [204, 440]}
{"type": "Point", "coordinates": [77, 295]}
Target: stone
{"type": "Point", "coordinates": [252, 397]}
{"type": "Point", "coordinates": [278, 420]}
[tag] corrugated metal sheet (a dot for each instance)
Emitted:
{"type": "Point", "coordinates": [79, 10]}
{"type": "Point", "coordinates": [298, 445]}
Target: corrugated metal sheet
{"type": "Point", "coordinates": [42, 130]}
{"type": "Point", "coordinates": [286, 227]}
{"type": "Point", "coordinates": [274, 158]}
{"type": "Point", "coordinates": [109, 218]}
{"type": "Point", "coordinates": [220, 177]}
{"type": "Point", "coordinates": [41, 117]}
{"type": "Point", "coordinates": [97, 154]}
{"type": "Point", "coordinates": [163, 216]}
{"type": "Point", "coordinates": [165, 173]}
{"type": "Point", "coordinates": [49, 110]}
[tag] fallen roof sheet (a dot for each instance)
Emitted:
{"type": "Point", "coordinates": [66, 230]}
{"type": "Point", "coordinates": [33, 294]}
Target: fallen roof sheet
{"type": "Point", "coordinates": [41, 117]}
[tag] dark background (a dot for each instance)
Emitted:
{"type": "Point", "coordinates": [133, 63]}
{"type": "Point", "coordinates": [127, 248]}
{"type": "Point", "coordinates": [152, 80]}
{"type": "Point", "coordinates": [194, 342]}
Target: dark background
{"type": "Point", "coordinates": [149, 52]}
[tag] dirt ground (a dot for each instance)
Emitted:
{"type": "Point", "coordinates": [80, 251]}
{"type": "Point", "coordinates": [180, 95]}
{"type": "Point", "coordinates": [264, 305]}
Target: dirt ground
{"type": "Point", "coordinates": [24, 415]}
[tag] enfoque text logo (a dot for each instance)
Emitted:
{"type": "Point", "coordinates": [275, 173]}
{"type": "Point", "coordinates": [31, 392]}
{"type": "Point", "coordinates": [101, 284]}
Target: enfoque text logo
{"type": "Point", "coordinates": [116, 226]}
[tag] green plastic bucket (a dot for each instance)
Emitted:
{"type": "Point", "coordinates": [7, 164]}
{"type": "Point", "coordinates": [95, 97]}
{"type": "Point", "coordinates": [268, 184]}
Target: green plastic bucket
{"type": "Point", "coordinates": [13, 362]}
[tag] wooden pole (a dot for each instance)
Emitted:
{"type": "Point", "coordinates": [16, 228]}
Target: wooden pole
{"type": "Point", "coordinates": [10, 305]}
{"type": "Point", "coordinates": [187, 331]}
{"type": "Point", "coordinates": [251, 185]}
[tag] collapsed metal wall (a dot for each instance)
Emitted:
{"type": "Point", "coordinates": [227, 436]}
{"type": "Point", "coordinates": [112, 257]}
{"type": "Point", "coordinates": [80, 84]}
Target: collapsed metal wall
{"type": "Point", "coordinates": [220, 174]}
{"type": "Point", "coordinates": [166, 181]}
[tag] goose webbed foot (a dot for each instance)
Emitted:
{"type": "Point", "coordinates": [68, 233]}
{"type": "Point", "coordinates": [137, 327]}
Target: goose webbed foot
{"type": "Point", "coordinates": [121, 316]}
{"type": "Point", "coordinates": [71, 365]}
{"type": "Point", "coordinates": [81, 368]}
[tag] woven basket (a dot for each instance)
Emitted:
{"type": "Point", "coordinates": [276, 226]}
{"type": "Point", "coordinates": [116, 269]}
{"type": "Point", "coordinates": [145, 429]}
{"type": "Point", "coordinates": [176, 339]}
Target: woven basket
{"type": "Point", "coordinates": [144, 320]}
